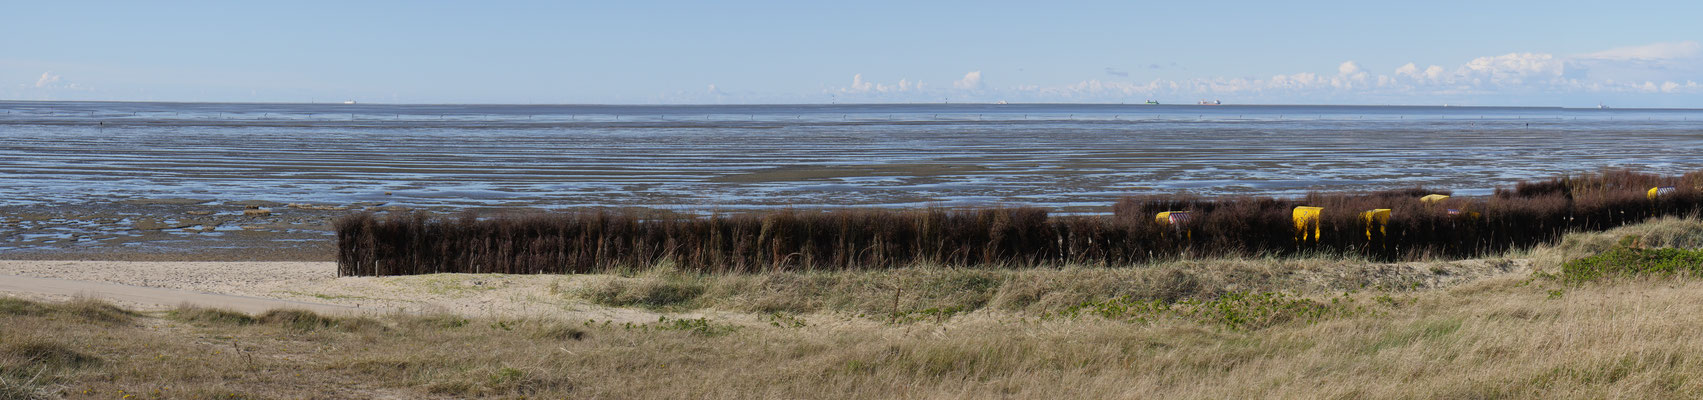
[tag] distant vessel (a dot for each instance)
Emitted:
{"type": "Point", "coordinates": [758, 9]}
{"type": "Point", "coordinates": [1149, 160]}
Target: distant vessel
{"type": "Point", "coordinates": [1002, 102]}
{"type": "Point", "coordinates": [1601, 106]}
{"type": "Point", "coordinates": [348, 102]}
{"type": "Point", "coordinates": [1153, 102]}
{"type": "Point", "coordinates": [1211, 103]}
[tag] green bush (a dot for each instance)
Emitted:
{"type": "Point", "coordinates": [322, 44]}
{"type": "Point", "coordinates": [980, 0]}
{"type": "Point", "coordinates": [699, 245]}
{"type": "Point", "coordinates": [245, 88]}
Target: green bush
{"type": "Point", "coordinates": [1626, 262]}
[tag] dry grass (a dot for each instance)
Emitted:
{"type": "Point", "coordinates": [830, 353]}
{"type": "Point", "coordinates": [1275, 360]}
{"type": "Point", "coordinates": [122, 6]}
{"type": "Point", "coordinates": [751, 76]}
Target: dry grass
{"type": "Point", "coordinates": [1032, 290]}
{"type": "Point", "coordinates": [1504, 338]}
{"type": "Point", "coordinates": [1055, 333]}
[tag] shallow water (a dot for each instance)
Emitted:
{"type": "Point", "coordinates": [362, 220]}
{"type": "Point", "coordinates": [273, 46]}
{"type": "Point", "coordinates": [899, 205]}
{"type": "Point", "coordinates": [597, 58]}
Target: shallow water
{"type": "Point", "coordinates": [1067, 157]}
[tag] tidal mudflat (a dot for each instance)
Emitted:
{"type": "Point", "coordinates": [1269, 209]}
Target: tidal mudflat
{"type": "Point", "coordinates": [157, 179]}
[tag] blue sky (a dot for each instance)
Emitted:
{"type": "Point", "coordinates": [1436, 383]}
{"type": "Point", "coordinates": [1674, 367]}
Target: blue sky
{"type": "Point", "coordinates": [1468, 53]}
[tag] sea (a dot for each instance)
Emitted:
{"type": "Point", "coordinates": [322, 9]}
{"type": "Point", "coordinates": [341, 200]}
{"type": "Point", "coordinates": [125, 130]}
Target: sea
{"type": "Point", "coordinates": [1067, 157]}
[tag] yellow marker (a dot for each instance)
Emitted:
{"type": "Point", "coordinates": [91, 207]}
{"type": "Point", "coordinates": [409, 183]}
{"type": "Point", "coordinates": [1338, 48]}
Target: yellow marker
{"type": "Point", "coordinates": [1379, 217]}
{"type": "Point", "coordinates": [1177, 220]}
{"type": "Point", "coordinates": [1658, 191]}
{"type": "Point", "coordinates": [1305, 218]}
{"type": "Point", "coordinates": [1433, 198]}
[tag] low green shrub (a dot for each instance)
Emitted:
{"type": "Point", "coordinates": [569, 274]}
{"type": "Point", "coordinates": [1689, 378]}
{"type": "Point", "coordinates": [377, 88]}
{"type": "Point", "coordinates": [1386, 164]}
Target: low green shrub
{"type": "Point", "coordinates": [1624, 261]}
{"type": "Point", "coordinates": [655, 292]}
{"type": "Point", "coordinates": [209, 316]}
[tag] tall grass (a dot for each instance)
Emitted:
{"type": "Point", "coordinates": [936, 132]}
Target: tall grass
{"type": "Point", "coordinates": [600, 241]}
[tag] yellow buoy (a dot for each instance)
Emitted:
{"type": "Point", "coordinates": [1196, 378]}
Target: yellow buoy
{"type": "Point", "coordinates": [1307, 222]}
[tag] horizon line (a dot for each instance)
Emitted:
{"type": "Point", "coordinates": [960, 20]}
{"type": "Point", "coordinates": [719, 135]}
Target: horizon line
{"type": "Point", "coordinates": [1445, 105]}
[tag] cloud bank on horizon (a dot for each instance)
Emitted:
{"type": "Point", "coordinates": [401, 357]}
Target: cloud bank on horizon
{"type": "Point", "coordinates": [1664, 74]}
{"type": "Point", "coordinates": [1669, 68]}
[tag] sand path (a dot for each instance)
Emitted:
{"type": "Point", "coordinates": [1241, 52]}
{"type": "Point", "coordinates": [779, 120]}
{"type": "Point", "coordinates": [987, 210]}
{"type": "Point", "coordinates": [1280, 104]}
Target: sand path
{"type": "Point", "coordinates": [155, 297]}
{"type": "Point", "coordinates": [260, 286]}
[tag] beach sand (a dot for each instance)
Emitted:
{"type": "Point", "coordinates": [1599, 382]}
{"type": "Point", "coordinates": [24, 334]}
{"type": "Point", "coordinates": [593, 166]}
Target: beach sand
{"type": "Point", "coordinates": [316, 283]}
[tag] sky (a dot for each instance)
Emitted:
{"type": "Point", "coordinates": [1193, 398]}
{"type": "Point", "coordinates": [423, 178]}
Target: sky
{"type": "Point", "coordinates": [1550, 53]}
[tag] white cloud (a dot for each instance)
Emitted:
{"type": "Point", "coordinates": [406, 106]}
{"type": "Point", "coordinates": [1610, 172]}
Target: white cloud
{"type": "Point", "coordinates": [861, 86]}
{"type": "Point", "coordinates": [1658, 69]}
{"type": "Point", "coordinates": [1348, 68]}
{"type": "Point", "coordinates": [1434, 72]}
{"type": "Point", "coordinates": [1409, 70]}
{"type": "Point", "coordinates": [972, 80]}
{"type": "Point", "coordinates": [858, 85]}
{"type": "Point", "coordinates": [1513, 68]}
{"type": "Point", "coordinates": [48, 80]}
{"type": "Point", "coordinates": [1653, 51]}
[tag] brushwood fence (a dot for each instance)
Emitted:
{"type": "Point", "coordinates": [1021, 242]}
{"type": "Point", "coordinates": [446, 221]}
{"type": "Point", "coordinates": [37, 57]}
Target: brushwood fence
{"type": "Point", "coordinates": [1391, 225]}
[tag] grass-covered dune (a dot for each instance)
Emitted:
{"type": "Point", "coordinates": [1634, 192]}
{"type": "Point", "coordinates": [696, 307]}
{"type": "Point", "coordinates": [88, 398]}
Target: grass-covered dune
{"type": "Point", "coordinates": [1603, 314]}
{"type": "Point", "coordinates": [1395, 225]}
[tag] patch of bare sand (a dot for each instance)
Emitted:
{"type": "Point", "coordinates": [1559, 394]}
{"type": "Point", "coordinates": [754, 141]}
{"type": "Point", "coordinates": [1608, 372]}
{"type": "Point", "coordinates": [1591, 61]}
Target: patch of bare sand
{"type": "Point", "coordinates": [317, 282]}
